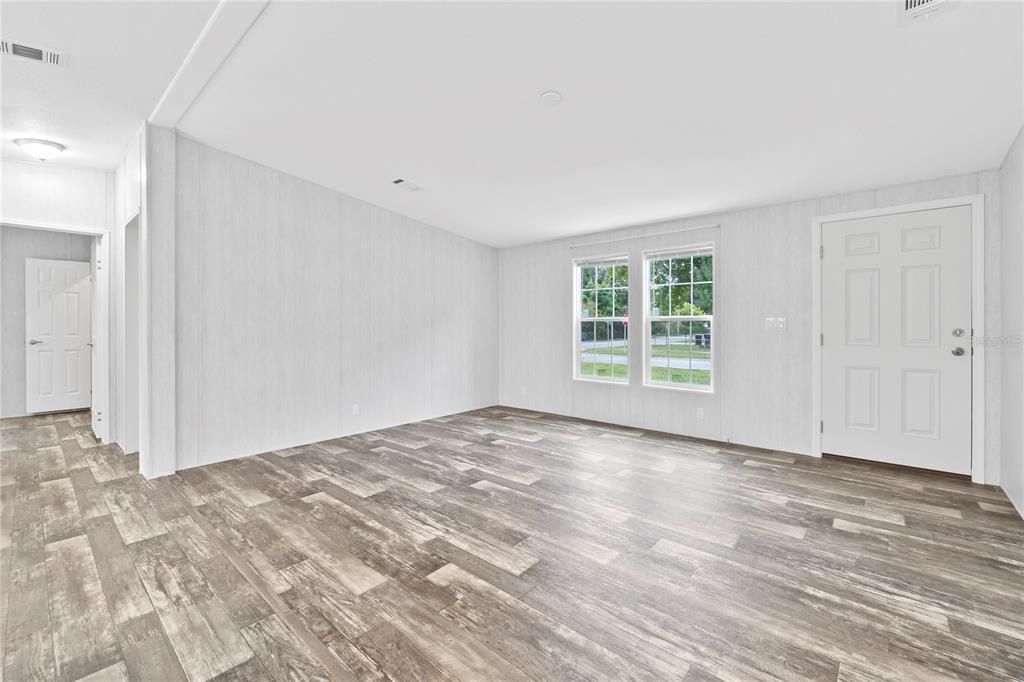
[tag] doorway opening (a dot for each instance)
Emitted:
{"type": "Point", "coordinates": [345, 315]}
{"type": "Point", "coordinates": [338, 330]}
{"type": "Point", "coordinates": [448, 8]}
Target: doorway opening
{"type": "Point", "coordinates": [53, 305]}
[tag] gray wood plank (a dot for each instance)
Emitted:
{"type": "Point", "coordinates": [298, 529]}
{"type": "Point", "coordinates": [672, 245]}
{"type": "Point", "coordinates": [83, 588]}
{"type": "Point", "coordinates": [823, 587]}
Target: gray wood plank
{"type": "Point", "coordinates": [281, 653]}
{"type": "Point", "coordinates": [84, 640]}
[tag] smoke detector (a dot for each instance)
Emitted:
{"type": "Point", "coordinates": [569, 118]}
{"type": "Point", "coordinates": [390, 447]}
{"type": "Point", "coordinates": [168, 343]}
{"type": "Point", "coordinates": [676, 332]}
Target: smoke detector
{"type": "Point", "coordinates": [916, 8]}
{"type": "Point", "coordinates": [34, 53]}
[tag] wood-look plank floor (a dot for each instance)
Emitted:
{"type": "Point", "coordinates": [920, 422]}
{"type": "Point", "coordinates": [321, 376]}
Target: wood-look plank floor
{"type": "Point", "coordinates": [499, 545]}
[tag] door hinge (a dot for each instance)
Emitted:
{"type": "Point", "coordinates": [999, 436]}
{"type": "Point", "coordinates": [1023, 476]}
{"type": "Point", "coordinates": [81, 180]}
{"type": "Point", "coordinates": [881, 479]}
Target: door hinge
{"type": "Point", "coordinates": [821, 251]}
{"type": "Point", "coordinates": [822, 427]}
{"type": "Point", "coordinates": [823, 338]}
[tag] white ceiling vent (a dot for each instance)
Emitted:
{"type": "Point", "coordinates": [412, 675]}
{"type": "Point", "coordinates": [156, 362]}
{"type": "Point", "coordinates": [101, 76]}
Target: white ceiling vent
{"type": "Point", "coordinates": [915, 8]}
{"type": "Point", "coordinates": [43, 55]}
{"type": "Point", "coordinates": [402, 183]}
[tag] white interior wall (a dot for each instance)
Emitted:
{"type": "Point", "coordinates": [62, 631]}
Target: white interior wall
{"type": "Point", "coordinates": [1008, 342]}
{"type": "Point", "coordinates": [763, 269]}
{"type": "Point", "coordinates": [295, 303]}
{"type": "Point", "coordinates": [17, 244]}
{"type": "Point", "coordinates": [128, 436]}
{"type": "Point", "coordinates": [37, 193]}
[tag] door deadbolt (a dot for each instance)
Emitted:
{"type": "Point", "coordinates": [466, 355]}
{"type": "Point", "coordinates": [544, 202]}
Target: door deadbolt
{"type": "Point", "coordinates": [958, 332]}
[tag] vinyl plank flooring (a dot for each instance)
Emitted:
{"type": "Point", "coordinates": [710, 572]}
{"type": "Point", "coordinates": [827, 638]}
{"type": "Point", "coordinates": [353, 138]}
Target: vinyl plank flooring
{"type": "Point", "coordinates": [397, 656]}
{"type": "Point", "coordinates": [84, 640]}
{"type": "Point", "coordinates": [61, 515]}
{"type": "Point", "coordinates": [134, 515]}
{"type": "Point", "coordinates": [281, 653]}
{"type": "Point", "coordinates": [28, 638]}
{"type": "Point", "coordinates": [499, 544]}
{"type": "Point", "coordinates": [117, 672]}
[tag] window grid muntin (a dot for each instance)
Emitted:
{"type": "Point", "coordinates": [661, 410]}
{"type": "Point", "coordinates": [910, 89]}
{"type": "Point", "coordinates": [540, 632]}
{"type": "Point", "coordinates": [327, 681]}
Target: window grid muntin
{"type": "Point", "coordinates": [613, 273]}
{"type": "Point", "coordinates": [657, 277]}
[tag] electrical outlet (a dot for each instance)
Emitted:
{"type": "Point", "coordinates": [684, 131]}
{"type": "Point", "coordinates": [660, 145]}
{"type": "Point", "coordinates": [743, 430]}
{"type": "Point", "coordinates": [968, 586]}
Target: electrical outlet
{"type": "Point", "coordinates": [355, 410]}
{"type": "Point", "coordinates": [700, 413]}
{"type": "Point", "coordinates": [775, 324]}
{"type": "Point", "coordinates": [522, 390]}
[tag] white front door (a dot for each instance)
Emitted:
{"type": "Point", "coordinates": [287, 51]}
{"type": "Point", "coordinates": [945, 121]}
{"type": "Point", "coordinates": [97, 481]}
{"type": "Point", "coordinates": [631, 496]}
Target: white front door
{"type": "Point", "coordinates": [896, 350]}
{"type": "Point", "coordinates": [58, 357]}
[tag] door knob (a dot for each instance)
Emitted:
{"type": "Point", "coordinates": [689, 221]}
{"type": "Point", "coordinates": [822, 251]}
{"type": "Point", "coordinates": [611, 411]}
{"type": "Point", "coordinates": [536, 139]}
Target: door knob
{"type": "Point", "coordinates": [34, 342]}
{"type": "Point", "coordinates": [958, 351]}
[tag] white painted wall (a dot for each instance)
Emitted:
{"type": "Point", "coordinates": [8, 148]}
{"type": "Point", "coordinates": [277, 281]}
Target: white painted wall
{"type": "Point", "coordinates": [293, 303]}
{"type": "Point", "coordinates": [17, 244]}
{"type": "Point", "coordinates": [128, 380]}
{"type": "Point", "coordinates": [56, 195]}
{"type": "Point", "coordinates": [158, 283]}
{"type": "Point", "coordinates": [763, 269]}
{"type": "Point", "coordinates": [1011, 177]}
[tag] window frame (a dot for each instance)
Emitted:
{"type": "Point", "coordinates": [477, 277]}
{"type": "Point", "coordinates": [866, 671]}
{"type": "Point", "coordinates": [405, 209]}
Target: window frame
{"type": "Point", "coordinates": [621, 258]}
{"type": "Point", "coordinates": [658, 254]}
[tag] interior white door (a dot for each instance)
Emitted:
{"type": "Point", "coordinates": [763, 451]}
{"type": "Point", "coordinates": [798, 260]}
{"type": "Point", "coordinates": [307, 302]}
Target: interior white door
{"type": "Point", "coordinates": [58, 358]}
{"type": "Point", "coordinates": [896, 350]}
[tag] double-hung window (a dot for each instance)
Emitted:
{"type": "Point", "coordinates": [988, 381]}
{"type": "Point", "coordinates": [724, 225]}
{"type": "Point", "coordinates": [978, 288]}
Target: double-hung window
{"type": "Point", "coordinates": [680, 317]}
{"type": "Point", "coordinates": [602, 312]}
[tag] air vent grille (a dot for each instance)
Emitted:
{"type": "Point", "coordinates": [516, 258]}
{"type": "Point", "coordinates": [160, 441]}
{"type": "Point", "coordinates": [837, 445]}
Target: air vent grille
{"type": "Point", "coordinates": [42, 55]}
{"type": "Point", "coordinates": [402, 183]}
{"type": "Point", "coordinates": [913, 8]}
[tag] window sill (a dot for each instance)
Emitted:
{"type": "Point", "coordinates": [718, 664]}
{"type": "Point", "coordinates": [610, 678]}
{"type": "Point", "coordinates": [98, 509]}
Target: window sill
{"type": "Point", "coordinates": [607, 382]}
{"type": "Point", "coordinates": [687, 388]}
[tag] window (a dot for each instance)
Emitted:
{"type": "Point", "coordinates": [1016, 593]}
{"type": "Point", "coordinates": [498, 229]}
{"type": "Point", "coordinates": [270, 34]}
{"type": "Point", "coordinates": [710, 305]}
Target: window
{"type": "Point", "coordinates": [680, 298]}
{"type": "Point", "coordinates": [602, 310]}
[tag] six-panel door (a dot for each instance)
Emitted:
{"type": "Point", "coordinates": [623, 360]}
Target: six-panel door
{"type": "Point", "coordinates": [58, 355]}
{"type": "Point", "coordinates": [896, 355]}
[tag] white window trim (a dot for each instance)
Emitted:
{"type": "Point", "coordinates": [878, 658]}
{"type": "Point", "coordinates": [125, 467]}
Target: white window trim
{"type": "Point", "coordinates": [646, 258]}
{"type": "Point", "coordinates": [620, 258]}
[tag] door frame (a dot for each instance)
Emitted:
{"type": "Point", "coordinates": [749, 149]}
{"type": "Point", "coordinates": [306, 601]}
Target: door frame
{"type": "Point", "coordinates": [976, 202]}
{"type": "Point", "coordinates": [101, 337]}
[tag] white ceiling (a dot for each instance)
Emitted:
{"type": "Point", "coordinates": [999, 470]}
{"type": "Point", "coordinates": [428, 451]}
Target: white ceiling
{"type": "Point", "coordinates": [670, 108]}
{"type": "Point", "coordinates": [120, 56]}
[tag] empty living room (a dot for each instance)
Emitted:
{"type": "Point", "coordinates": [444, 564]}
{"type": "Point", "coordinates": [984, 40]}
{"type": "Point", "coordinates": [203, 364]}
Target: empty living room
{"type": "Point", "coordinates": [511, 340]}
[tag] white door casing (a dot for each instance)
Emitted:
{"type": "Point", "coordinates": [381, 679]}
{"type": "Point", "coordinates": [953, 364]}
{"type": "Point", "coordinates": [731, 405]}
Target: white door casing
{"type": "Point", "coordinates": [58, 357]}
{"type": "Point", "coordinates": [895, 288]}
{"type": "Point", "coordinates": [101, 383]}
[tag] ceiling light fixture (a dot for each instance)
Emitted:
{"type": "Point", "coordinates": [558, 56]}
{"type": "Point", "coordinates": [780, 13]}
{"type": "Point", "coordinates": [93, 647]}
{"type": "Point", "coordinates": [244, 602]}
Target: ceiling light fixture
{"type": "Point", "coordinates": [39, 149]}
{"type": "Point", "coordinates": [551, 98]}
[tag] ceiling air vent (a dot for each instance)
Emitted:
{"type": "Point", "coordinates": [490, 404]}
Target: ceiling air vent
{"type": "Point", "coordinates": [402, 183]}
{"type": "Point", "coordinates": [915, 8]}
{"type": "Point", "coordinates": [42, 55]}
